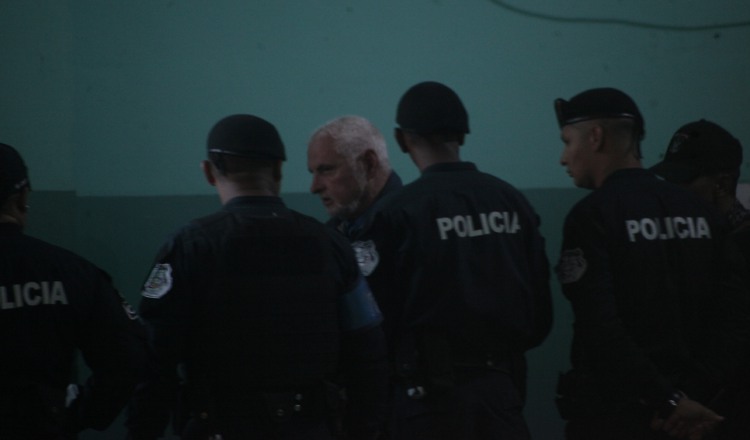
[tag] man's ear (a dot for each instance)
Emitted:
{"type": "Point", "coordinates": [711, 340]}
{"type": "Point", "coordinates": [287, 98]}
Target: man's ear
{"type": "Point", "coordinates": [401, 139]}
{"type": "Point", "coordinates": [22, 202]}
{"type": "Point", "coordinates": [24, 199]}
{"type": "Point", "coordinates": [461, 138]}
{"type": "Point", "coordinates": [596, 137]}
{"type": "Point", "coordinates": [277, 175]}
{"type": "Point", "coordinates": [370, 162]}
{"type": "Point", "coordinates": [209, 172]}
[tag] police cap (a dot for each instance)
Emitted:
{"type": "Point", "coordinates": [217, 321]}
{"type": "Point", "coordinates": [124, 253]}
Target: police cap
{"type": "Point", "coordinates": [246, 136]}
{"type": "Point", "coordinates": [432, 107]}
{"type": "Point", "coordinates": [699, 148]}
{"type": "Point", "coordinates": [600, 103]}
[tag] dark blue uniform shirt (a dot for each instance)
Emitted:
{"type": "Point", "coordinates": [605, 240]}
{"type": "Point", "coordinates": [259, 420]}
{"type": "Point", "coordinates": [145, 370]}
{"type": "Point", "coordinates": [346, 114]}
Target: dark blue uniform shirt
{"type": "Point", "coordinates": [463, 252]}
{"type": "Point", "coordinates": [641, 264]}
{"type": "Point", "coordinates": [52, 304]}
{"type": "Point", "coordinates": [255, 299]}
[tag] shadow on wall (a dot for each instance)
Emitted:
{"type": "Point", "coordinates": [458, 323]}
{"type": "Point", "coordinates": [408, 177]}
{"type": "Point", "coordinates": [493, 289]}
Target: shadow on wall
{"type": "Point", "coordinates": [123, 234]}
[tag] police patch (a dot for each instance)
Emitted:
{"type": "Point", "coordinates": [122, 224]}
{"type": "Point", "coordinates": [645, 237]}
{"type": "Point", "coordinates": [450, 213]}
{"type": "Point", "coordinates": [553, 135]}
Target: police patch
{"type": "Point", "coordinates": [367, 256]}
{"type": "Point", "coordinates": [159, 281]}
{"type": "Point", "coordinates": [571, 266]}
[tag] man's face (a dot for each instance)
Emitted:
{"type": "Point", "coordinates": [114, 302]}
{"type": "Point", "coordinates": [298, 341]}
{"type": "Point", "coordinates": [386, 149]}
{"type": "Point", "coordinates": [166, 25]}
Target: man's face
{"type": "Point", "coordinates": [340, 184]}
{"type": "Point", "coordinates": [577, 155]}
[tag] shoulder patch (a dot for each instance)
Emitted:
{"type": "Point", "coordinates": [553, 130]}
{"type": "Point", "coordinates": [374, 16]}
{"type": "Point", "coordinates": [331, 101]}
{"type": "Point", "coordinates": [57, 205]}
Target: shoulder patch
{"type": "Point", "coordinates": [367, 256]}
{"type": "Point", "coordinates": [159, 281]}
{"type": "Point", "coordinates": [571, 267]}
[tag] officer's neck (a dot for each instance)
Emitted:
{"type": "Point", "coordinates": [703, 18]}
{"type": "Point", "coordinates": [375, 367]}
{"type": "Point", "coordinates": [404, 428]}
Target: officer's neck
{"type": "Point", "coordinates": [228, 192]}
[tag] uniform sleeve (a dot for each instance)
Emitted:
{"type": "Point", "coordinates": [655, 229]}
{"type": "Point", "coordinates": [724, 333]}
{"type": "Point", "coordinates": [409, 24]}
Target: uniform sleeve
{"type": "Point", "coordinates": [540, 276]}
{"type": "Point", "coordinates": [164, 308]}
{"type": "Point", "coordinates": [114, 349]}
{"type": "Point", "coordinates": [600, 336]}
{"type": "Point", "coordinates": [390, 291]}
{"type": "Point", "coordinates": [364, 362]}
{"type": "Point", "coordinates": [730, 325]}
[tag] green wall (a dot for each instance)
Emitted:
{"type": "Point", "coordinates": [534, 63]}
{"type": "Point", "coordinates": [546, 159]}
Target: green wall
{"type": "Point", "coordinates": [110, 101]}
{"type": "Point", "coordinates": [111, 97]}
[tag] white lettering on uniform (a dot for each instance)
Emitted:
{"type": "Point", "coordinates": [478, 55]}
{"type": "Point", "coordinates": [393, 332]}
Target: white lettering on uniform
{"type": "Point", "coordinates": [668, 228]}
{"type": "Point", "coordinates": [476, 226]}
{"type": "Point", "coordinates": [444, 225]}
{"type": "Point", "coordinates": [32, 294]}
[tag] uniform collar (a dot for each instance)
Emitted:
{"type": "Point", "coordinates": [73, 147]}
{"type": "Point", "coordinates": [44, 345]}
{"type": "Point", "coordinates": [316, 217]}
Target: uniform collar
{"type": "Point", "coordinates": [351, 227]}
{"type": "Point", "coordinates": [242, 201]}
{"type": "Point", "coordinates": [10, 229]}
{"type": "Point", "coordinates": [627, 172]}
{"type": "Point", "coordinates": [450, 166]}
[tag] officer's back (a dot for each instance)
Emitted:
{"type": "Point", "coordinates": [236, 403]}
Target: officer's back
{"type": "Point", "coordinates": [259, 307]}
{"type": "Point", "coordinates": [53, 303]}
{"type": "Point", "coordinates": [468, 283]}
{"type": "Point", "coordinates": [669, 241]}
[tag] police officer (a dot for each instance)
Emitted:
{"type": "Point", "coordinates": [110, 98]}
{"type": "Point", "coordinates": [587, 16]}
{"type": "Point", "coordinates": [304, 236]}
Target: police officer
{"type": "Point", "coordinates": [706, 158]}
{"type": "Point", "coordinates": [261, 310]}
{"type": "Point", "coordinates": [639, 264]}
{"type": "Point", "coordinates": [351, 174]}
{"type": "Point", "coordinates": [52, 304]}
{"type": "Point", "coordinates": [470, 287]}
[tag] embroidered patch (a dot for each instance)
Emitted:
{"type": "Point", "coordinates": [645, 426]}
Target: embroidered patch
{"type": "Point", "coordinates": [571, 267]}
{"type": "Point", "coordinates": [367, 256]}
{"type": "Point", "coordinates": [159, 281]}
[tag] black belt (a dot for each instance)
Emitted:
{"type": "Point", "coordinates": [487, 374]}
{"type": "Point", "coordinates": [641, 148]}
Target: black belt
{"type": "Point", "coordinates": [491, 360]}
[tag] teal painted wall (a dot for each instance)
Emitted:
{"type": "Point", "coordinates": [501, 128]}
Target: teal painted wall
{"type": "Point", "coordinates": [110, 102]}
{"type": "Point", "coordinates": [111, 97]}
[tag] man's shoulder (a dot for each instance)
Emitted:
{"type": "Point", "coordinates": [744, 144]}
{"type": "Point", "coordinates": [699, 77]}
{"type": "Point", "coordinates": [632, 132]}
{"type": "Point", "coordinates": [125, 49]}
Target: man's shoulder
{"type": "Point", "coordinates": [56, 255]}
{"type": "Point", "coordinates": [402, 197]}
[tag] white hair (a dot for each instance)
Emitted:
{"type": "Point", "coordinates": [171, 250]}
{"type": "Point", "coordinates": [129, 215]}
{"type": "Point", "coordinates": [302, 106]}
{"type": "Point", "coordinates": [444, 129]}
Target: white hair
{"type": "Point", "coordinates": [352, 135]}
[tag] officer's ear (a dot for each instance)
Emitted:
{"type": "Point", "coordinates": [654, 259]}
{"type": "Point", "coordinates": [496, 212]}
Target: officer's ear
{"type": "Point", "coordinates": [401, 139]}
{"type": "Point", "coordinates": [277, 175]}
{"type": "Point", "coordinates": [23, 200]}
{"type": "Point", "coordinates": [596, 136]}
{"type": "Point", "coordinates": [209, 172]}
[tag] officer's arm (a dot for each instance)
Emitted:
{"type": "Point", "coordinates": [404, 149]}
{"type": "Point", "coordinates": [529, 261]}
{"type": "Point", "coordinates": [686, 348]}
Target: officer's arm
{"type": "Point", "coordinates": [114, 349]}
{"type": "Point", "coordinates": [155, 398]}
{"type": "Point", "coordinates": [542, 291]}
{"type": "Point", "coordinates": [732, 297]}
{"type": "Point", "coordinates": [364, 362]}
{"type": "Point", "coordinates": [687, 419]}
{"type": "Point", "coordinates": [165, 309]}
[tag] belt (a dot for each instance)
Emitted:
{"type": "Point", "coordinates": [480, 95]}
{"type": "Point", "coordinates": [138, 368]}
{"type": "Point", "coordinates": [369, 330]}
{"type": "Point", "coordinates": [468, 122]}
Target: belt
{"type": "Point", "coordinates": [499, 361]}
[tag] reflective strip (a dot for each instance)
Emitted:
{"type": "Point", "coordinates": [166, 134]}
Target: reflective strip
{"type": "Point", "coordinates": [358, 308]}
